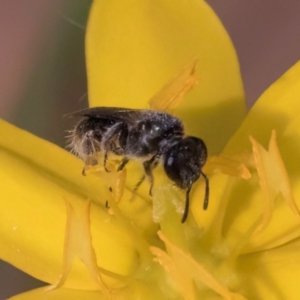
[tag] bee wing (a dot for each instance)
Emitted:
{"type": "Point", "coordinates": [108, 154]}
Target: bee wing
{"type": "Point", "coordinates": [173, 93]}
{"type": "Point", "coordinates": [110, 113]}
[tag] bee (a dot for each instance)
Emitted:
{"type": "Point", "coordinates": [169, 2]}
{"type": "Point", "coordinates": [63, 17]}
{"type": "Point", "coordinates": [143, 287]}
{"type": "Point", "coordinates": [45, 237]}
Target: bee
{"type": "Point", "coordinates": [141, 134]}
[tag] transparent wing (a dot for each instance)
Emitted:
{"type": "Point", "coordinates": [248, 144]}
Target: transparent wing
{"type": "Point", "coordinates": [111, 113]}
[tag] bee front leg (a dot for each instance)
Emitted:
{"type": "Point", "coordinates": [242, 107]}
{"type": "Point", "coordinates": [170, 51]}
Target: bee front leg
{"type": "Point", "coordinates": [123, 163]}
{"type": "Point", "coordinates": [138, 184]}
{"type": "Point", "coordinates": [149, 165]}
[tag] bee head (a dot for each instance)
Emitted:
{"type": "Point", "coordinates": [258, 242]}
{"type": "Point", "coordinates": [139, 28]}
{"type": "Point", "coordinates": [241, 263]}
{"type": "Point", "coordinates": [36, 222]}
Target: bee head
{"type": "Point", "coordinates": [183, 163]}
{"type": "Point", "coordinates": [184, 160]}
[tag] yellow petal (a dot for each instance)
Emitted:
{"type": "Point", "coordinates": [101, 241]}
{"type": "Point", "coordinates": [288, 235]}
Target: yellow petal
{"type": "Point", "coordinates": [278, 108]}
{"type": "Point", "coordinates": [273, 178]}
{"type": "Point", "coordinates": [135, 291]}
{"type": "Point", "coordinates": [224, 165]}
{"type": "Point", "coordinates": [134, 48]}
{"type": "Point", "coordinates": [272, 274]}
{"type": "Point", "coordinates": [37, 178]}
{"type": "Point", "coordinates": [78, 244]}
{"type": "Point", "coordinates": [65, 294]}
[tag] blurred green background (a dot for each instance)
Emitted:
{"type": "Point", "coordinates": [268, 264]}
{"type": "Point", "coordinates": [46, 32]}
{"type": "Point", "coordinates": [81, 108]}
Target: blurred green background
{"type": "Point", "coordinates": [43, 54]}
{"type": "Point", "coordinates": [42, 74]}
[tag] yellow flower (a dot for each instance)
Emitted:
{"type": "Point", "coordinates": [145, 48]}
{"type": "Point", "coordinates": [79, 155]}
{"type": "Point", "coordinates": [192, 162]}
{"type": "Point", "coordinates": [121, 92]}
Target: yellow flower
{"type": "Point", "coordinates": [55, 224]}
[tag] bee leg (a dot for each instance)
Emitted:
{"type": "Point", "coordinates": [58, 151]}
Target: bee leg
{"type": "Point", "coordinates": [108, 139]}
{"type": "Point", "coordinates": [83, 173]}
{"type": "Point", "coordinates": [105, 160]}
{"type": "Point", "coordinates": [149, 165]}
{"type": "Point", "coordinates": [187, 205]}
{"type": "Point", "coordinates": [138, 184]}
{"type": "Point", "coordinates": [123, 163]}
{"type": "Point", "coordinates": [137, 187]}
{"type": "Point", "coordinates": [206, 197]}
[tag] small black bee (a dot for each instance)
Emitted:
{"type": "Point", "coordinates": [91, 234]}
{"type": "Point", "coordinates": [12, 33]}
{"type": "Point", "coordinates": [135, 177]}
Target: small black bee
{"type": "Point", "coordinates": [148, 135]}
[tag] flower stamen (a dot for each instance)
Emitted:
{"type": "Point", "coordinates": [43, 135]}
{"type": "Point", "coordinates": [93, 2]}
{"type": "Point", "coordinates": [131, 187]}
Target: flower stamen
{"type": "Point", "coordinates": [273, 178]}
{"type": "Point", "coordinates": [185, 269]}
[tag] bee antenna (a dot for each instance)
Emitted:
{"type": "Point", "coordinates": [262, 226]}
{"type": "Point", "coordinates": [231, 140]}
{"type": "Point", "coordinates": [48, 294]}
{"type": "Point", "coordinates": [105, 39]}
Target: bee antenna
{"type": "Point", "coordinates": [187, 205]}
{"type": "Point", "coordinates": [206, 197]}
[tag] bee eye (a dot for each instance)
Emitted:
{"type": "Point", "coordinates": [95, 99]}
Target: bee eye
{"type": "Point", "coordinates": [170, 161]}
